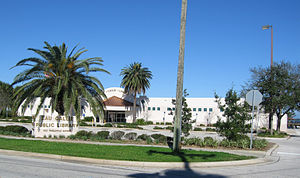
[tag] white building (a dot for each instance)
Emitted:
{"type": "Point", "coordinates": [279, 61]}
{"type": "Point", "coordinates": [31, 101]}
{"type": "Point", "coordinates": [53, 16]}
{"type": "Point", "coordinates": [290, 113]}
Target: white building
{"type": "Point", "coordinates": [119, 108]}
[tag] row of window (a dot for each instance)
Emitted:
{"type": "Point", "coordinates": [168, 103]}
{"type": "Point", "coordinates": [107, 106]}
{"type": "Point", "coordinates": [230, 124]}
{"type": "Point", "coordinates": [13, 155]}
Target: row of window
{"type": "Point", "coordinates": [43, 106]}
{"type": "Point", "coordinates": [173, 109]}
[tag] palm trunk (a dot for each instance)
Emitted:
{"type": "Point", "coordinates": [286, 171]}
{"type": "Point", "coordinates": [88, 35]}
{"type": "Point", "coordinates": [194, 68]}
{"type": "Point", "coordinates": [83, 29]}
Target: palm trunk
{"type": "Point", "coordinates": [177, 123]}
{"type": "Point", "coordinates": [134, 108]}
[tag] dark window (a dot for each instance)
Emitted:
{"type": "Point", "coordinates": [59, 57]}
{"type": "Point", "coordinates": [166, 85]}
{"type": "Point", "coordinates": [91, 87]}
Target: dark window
{"type": "Point", "coordinates": [173, 109]}
{"type": "Point", "coordinates": [205, 109]}
{"type": "Point", "coordinates": [149, 108]}
{"type": "Point", "coordinates": [153, 108]}
{"type": "Point", "coordinates": [199, 109]}
{"type": "Point", "coordinates": [169, 109]}
{"type": "Point", "coordinates": [210, 109]}
{"type": "Point", "coordinates": [194, 109]}
{"type": "Point", "coordinates": [158, 108]}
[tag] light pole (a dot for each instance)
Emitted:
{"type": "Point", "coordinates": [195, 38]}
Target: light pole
{"type": "Point", "coordinates": [271, 96]}
{"type": "Point", "coordinates": [265, 28]}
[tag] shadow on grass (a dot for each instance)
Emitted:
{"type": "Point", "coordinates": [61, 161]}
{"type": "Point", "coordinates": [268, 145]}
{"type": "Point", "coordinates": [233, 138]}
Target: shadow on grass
{"type": "Point", "coordinates": [186, 172]}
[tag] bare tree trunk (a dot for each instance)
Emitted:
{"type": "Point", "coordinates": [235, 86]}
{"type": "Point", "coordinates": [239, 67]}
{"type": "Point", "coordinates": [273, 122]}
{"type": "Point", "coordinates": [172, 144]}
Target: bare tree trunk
{"type": "Point", "coordinates": [134, 108]}
{"type": "Point", "coordinates": [278, 122]}
{"type": "Point", "coordinates": [271, 123]}
{"type": "Point", "coordinates": [177, 123]}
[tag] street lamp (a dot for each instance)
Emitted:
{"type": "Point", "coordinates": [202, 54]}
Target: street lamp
{"type": "Point", "coordinates": [265, 28]}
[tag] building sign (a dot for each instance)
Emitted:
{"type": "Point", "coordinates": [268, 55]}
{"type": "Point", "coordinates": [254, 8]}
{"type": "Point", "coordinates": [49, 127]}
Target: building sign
{"type": "Point", "coordinates": [47, 126]}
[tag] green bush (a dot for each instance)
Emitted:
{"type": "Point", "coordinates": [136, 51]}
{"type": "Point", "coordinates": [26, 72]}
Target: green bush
{"type": "Point", "coordinates": [197, 129]}
{"type": "Point", "coordinates": [275, 134]}
{"type": "Point", "coordinates": [202, 125]}
{"type": "Point", "coordinates": [143, 122]}
{"type": "Point", "coordinates": [170, 128]}
{"type": "Point", "coordinates": [14, 129]}
{"type": "Point", "coordinates": [159, 138]}
{"type": "Point", "coordinates": [208, 129]}
{"type": "Point", "coordinates": [61, 136]}
{"type": "Point", "coordinates": [243, 142]}
{"type": "Point", "coordinates": [143, 137]}
{"type": "Point", "coordinates": [156, 127]}
{"type": "Point", "coordinates": [72, 137]}
{"type": "Point", "coordinates": [88, 119]}
{"type": "Point", "coordinates": [130, 136]}
{"type": "Point", "coordinates": [83, 133]}
{"type": "Point", "coordinates": [107, 125]}
{"type": "Point", "coordinates": [117, 135]}
{"type": "Point", "coordinates": [82, 123]}
{"type": "Point", "coordinates": [103, 134]}
{"type": "Point", "coordinates": [210, 142]}
{"type": "Point", "coordinates": [260, 143]}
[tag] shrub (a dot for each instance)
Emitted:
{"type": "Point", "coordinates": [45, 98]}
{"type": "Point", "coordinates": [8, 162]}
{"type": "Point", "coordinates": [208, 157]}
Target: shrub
{"type": "Point", "coordinates": [170, 128]}
{"type": "Point", "coordinates": [143, 122]}
{"type": "Point", "coordinates": [117, 135]}
{"type": "Point", "coordinates": [130, 136]}
{"type": "Point", "coordinates": [210, 142]}
{"type": "Point", "coordinates": [61, 136]}
{"type": "Point", "coordinates": [197, 129]}
{"type": "Point", "coordinates": [159, 138]}
{"type": "Point", "coordinates": [72, 137]}
{"type": "Point", "coordinates": [156, 127]}
{"type": "Point", "coordinates": [202, 125]}
{"type": "Point", "coordinates": [143, 137]}
{"type": "Point", "coordinates": [83, 133]}
{"type": "Point", "coordinates": [103, 134]}
{"type": "Point", "coordinates": [107, 125]}
{"type": "Point", "coordinates": [15, 129]}
{"type": "Point", "coordinates": [88, 119]}
{"type": "Point", "coordinates": [82, 123]}
{"type": "Point", "coordinates": [149, 140]}
{"type": "Point", "coordinates": [243, 142]}
{"type": "Point", "coordinates": [224, 143]}
{"type": "Point", "coordinates": [260, 143]}
{"type": "Point", "coordinates": [210, 129]}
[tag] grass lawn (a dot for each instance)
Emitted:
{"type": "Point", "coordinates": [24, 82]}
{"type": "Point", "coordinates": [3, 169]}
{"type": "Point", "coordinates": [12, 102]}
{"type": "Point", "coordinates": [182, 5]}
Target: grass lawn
{"type": "Point", "coordinates": [129, 153]}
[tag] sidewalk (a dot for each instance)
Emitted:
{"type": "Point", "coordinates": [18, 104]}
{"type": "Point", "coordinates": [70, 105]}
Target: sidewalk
{"type": "Point", "coordinates": [262, 156]}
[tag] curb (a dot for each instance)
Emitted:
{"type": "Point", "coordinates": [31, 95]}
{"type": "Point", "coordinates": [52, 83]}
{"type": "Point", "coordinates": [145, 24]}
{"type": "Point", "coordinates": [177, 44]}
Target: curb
{"type": "Point", "coordinates": [265, 159]}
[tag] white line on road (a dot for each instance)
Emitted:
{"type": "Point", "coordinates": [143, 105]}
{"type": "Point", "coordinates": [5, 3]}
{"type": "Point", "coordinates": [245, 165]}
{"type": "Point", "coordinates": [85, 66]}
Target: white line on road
{"type": "Point", "coordinates": [286, 153]}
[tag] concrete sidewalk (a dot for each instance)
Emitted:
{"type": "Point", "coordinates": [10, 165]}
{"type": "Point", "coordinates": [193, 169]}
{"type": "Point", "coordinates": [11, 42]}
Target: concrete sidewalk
{"type": "Point", "coordinates": [262, 156]}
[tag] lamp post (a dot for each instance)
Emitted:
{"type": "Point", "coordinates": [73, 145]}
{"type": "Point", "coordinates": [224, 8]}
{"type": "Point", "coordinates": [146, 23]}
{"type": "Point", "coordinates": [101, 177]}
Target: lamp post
{"type": "Point", "coordinates": [265, 28]}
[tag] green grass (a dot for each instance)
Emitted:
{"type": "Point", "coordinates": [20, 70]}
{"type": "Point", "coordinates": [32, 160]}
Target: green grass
{"type": "Point", "coordinates": [129, 153]}
{"type": "Point", "coordinates": [275, 134]}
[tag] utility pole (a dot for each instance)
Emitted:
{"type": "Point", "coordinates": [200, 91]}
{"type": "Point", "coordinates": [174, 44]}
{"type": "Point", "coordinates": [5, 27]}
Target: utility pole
{"type": "Point", "coordinates": [177, 124]}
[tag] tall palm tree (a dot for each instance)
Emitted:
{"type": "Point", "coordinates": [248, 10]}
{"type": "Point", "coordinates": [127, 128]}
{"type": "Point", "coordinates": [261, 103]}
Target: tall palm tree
{"type": "Point", "coordinates": [63, 77]}
{"type": "Point", "coordinates": [136, 79]}
{"type": "Point", "coordinates": [6, 93]}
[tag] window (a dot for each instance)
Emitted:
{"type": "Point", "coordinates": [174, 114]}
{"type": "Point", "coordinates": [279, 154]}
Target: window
{"type": "Point", "coordinates": [199, 109]}
{"type": "Point", "coordinates": [169, 109]}
{"type": "Point", "coordinates": [173, 109]}
{"type": "Point", "coordinates": [194, 109]}
{"type": "Point", "coordinates": [153, 108]}
{"type": "Point", "coordinates": [205, 109]}
{"type": "Point", "coordinates": [210, 109]}
{"type": "Point", "coordinates": [28, 106]}
{"type": "Point", "coordinates": [158, 108]}
{"type": "Point", "coordinates": [149, 108]}
{"type": "Point", "coordinates": [49, 106]}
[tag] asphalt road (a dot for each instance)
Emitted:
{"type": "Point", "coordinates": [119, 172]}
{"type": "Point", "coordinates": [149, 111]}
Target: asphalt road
{"type": "Point", "coordinates": [287, 166]}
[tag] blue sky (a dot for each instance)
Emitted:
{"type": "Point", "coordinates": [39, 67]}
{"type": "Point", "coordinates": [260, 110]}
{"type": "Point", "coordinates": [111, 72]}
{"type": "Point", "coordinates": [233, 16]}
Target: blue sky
{"type": "Point", "coordinates": [224, 39]}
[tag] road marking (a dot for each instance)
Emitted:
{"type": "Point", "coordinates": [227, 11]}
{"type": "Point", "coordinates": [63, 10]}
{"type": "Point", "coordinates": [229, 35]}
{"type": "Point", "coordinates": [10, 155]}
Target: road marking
{"type": "Point", "coordinates": [286, 153]}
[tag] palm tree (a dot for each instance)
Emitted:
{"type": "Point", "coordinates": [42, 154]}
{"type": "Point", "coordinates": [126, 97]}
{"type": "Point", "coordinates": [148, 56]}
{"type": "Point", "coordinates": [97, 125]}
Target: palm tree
{"type": "Point", "coordinates": [6, 93]}
{"type": "Point", "coordinates": [136, 81]}
{"type": "Point", "coordinates": [63, 77]}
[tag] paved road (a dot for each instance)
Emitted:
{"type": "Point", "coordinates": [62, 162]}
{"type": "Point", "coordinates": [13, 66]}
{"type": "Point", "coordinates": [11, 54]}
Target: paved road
{"type": "Point", "coordinates": [287, 166]}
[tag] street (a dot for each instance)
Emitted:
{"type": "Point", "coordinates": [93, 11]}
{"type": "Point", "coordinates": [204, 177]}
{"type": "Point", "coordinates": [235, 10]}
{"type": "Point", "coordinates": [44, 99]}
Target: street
{"type": "Point", "coordinates": [287, 166]}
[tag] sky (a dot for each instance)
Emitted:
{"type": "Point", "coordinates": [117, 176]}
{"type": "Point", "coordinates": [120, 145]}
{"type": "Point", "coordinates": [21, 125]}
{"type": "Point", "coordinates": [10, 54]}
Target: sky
{"type": "Point", "coordinates": [224, 38]}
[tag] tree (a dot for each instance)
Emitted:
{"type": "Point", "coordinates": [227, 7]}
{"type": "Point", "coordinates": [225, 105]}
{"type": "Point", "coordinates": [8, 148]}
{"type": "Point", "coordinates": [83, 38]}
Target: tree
{"type": "Point", "coordinates": [136, 79]}
{"type": "Point", "coordinates": [280, 86]}
{"type": "Point", "coordinates": [179, 87]}
{"type": "Point", "coordinates": [186, 121]}
{"type": "Point", "coordinates": [61, 76]}
{"type": "Point", "coordinates": [237, 115]}
{"type": "Point", "coordinates": [6, 101]}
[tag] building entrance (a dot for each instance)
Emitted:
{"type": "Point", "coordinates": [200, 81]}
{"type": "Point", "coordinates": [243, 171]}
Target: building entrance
{"type": "Point", "coordinates": [115, 116]}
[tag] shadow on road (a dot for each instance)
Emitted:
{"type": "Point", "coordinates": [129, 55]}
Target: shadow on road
{"type": "Point", "coordinates": [186, 172]}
